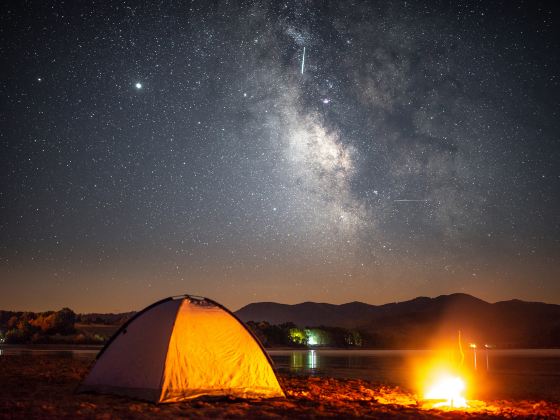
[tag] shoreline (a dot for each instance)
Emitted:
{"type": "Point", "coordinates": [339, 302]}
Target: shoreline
{"type": "Point", "coordinates": [69, 347]}
{"type": "Point", "coordinates": [43, 386]}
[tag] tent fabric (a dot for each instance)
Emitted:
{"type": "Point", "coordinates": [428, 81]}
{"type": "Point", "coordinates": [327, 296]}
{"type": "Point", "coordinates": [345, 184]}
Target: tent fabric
{"type": "Point", "coordinates": [132, 363]}
{"type": "Point", "coordinates": [206, 335]}
{"type": "Point", "coordinates": [183, 348]}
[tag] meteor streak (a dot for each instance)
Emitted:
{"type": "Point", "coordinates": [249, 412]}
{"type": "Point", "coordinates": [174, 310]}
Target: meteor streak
{"type": "Point", "coordinates": [303, 61]}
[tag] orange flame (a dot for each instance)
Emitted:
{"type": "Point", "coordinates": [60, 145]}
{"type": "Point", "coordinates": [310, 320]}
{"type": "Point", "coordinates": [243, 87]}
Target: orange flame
{"type": "Point", "coordinates": [447, 389]}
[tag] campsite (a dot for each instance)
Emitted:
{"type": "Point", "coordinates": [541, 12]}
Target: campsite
{"type": "Point", "coordinates": [44, 387]}
{"type": "Point", "coordinates": [279, 209]}
{"type": "Point", "coordinates": [190, 356]}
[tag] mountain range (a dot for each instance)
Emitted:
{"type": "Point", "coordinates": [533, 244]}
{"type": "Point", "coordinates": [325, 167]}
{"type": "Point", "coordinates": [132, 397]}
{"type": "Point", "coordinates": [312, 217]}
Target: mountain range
{"type": "Point", "coordinates": [423, 321]}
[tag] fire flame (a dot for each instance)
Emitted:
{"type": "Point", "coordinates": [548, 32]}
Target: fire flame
{"type": "Point", "coordinates": [449, 389]}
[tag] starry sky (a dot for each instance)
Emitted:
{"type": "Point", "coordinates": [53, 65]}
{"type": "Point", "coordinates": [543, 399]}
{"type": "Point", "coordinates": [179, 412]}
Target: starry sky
{"type": "Point", "coordinates": [150, 149]}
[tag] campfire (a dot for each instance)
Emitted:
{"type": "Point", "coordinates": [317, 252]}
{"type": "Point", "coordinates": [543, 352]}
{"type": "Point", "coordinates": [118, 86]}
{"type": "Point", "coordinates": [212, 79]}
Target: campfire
{"type": "Point", "coordinates": [442, 380]}
{"type": "Point", "coordinates": [446, 391]}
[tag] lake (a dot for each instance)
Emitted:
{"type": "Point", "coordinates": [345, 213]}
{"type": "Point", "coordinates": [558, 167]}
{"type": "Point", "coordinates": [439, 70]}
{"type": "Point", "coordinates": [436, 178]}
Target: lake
{"type": "Point", "coordinates": [505, 374]}
{"type": "Point", "coordinates": [500, 374]}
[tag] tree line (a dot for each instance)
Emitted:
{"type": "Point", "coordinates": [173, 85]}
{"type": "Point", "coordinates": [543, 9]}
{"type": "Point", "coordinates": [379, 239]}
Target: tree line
{"type": "Point", "coordinates": [60, 327]}
{"type": "Point", "coordinates": [290, 335]}
{"type": "Point", "coordinates": [31, 327]}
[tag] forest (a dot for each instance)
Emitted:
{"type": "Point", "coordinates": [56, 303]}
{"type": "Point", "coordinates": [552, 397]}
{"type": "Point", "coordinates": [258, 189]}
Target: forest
{"type": "Point", "coordinates": [56, 327]}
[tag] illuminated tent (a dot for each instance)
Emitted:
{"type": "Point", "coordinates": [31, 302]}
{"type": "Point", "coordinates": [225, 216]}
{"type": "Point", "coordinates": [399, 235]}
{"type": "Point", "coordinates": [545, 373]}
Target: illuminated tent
{"type": "Point", "coordinates": [181, 348]}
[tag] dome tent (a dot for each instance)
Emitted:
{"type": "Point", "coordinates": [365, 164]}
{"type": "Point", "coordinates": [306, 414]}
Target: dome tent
{"type": "Point", "coordinates": [181, 348]}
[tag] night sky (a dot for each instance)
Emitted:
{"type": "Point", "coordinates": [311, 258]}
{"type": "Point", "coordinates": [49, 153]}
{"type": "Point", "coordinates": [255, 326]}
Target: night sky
{"type": "Point", "coordinates": [150, 149]}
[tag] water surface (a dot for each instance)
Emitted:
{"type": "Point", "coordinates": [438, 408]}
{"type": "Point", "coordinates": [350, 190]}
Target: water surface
{"type": "Point", "coordinates": [500, 374]}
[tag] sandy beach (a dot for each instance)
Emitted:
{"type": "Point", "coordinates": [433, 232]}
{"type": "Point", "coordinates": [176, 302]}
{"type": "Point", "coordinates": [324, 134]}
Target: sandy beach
{"type": "Point", "coordinates": [43, 387]}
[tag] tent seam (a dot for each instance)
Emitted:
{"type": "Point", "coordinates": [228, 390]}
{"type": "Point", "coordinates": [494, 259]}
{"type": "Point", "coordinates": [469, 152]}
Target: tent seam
{"type": "Point", "coordinates": [127, 323]}
{"type": "Point", "coordinates": [167, 349]}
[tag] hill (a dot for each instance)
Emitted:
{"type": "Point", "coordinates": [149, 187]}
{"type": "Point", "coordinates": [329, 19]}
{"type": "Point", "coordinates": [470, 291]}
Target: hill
{"type": "Point", "coordinates": [421, 321]}
{"type": "Point", "coordinates": [416, 323]}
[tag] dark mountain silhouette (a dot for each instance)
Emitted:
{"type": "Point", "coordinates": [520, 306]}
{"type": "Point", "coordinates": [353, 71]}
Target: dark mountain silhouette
{"type": "Point", "coordinates": [416, 323]}
{"type": "Point", "coordinates": [422, 321]}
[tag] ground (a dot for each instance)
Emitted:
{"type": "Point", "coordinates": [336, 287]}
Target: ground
{"type": "Point", "coordinates": [43, 387]}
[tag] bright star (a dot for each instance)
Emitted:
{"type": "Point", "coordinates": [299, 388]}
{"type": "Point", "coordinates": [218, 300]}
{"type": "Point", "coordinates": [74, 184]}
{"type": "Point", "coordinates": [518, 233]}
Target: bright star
{"type": "Point", "coordinates": [138, 85]}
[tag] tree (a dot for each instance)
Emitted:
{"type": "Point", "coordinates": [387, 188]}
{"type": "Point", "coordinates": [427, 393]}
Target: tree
{"type": "Point", "coordinates": [12, 322]}
{"type": "Point", "coordinates": [298, 336]}
{"type": "Point", "coordinates": [64, 321]}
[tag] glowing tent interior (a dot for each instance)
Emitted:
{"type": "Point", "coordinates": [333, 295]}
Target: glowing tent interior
{"type": "Point", "coordinates": [181, 348]}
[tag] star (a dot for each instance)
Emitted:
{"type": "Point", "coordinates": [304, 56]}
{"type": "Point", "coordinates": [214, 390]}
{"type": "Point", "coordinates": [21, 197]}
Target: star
{"type": "Point", "coordinates": [419, 149]}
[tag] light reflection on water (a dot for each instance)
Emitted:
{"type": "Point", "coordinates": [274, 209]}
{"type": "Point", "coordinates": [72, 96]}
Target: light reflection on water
{"type": "Point", "coordinates": [312, 359]}
{"type": "Point", "coordinates": [379, 365]}
{"type": "Point", "coordinates": [303, 360]}
{"type": "Point", "coordinates": [317, 360]}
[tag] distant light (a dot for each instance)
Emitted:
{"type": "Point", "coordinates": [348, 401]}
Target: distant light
{"type": "Point", "coordinates": [138, 85]}
{"type": "Point", "coordinates": [472, 345]}
{"type": "Point", "coordinates": [326, 101]}
{"type": "Point", "coordinates": [312, 339]}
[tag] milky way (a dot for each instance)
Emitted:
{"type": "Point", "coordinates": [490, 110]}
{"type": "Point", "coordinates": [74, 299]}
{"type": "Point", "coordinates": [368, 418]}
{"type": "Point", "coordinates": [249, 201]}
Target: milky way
{"type": "Point", "coordinates": [184, 147]}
